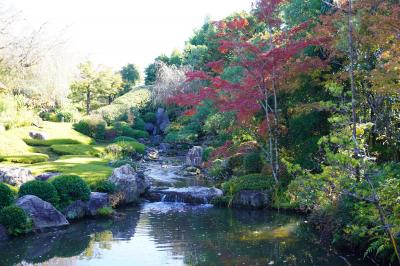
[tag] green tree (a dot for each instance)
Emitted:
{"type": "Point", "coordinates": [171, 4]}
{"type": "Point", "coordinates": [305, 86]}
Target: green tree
{"type": "Point", "coordinates": [130, 75]}
{"type": "Point", "coordinates": [93, 85]}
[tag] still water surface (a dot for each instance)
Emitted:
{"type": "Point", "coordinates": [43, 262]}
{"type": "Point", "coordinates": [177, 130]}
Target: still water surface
{"type": "Point", "coordinates": [177, 234]}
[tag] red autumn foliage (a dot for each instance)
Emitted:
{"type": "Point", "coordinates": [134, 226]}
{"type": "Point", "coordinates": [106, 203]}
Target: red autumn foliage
{"type": "Point", "coordinates": [265, 62]}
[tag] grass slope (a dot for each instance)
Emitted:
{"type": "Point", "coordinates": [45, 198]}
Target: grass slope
{"type": "Point", "coordinates": [136, 98]}
{"type": "Point", "coordinates": [92, 170]}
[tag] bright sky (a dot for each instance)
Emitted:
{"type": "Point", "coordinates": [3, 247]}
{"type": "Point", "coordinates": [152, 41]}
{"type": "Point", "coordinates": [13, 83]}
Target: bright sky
{"type": "Point", "coordinates": [117, 32]}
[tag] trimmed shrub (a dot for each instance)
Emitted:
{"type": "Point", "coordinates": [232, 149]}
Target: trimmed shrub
{"type": "Point", "coordinates": [123, 129]}
{"type": "Point", "coordinates": [124, 138]}
{"type": "Point", "coordinates": [139, 124]}
{"type": "Point", "coordinates": [92, 126]}
{"type": "Point", "coordinates": [15, 220]}
{"type": "Point", "coordinates": [75, 149]}
{"type": "Point", "coordinates": [150, 117]}
{"type": "Point", "coordinates": [6, 196]}
{"type": "Point", "coordinates": [44, 190]}
{"type": "Point", "coordinates": [106, 187]}
{"type": "Point", "coordinates": [248, 182]}
{"type": "Point", "coordinates": [252, 163]}
{"type": "Point", "coordinates": [123, 149]}
{"type": "Point", "coordinates": [26, 158]}
{"type": "Point", "coordinates": [71, 188]}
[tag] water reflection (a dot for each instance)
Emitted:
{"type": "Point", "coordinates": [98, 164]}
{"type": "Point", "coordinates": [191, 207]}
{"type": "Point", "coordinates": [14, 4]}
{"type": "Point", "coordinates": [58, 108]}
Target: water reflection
{"type": "Point", "coordinates": [176, 234]}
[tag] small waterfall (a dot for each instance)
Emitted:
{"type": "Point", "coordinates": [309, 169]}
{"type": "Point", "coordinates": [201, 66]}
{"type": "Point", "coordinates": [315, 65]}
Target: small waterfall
{"type": "Point", "coordinates": [163, 198]}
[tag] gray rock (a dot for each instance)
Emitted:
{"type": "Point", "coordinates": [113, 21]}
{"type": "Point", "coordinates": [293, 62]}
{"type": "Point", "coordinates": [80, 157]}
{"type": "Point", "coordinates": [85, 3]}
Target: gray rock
{"type": "Point", "coordinates": [42, 213]}
{"type": "Point", "coordinates": [15, 176]}
{"type": "Point", "coordinates": [191, 195]}
{"type": "Point", "coordinates": [3, 233]}
{"type": "Point", "coordinates": [251, 199]}
{"type": "Point", "coordinates": [97, 201]}
{"type": "Point", "coordinates": [165, 147]}
{"type": "Point", "coordinates": [129, 184]}
{"type": "Point", "coordinates": [155, 140]}
{"type": "Point", "coordinates": [46, 176]}
{"type": "Point", "coordinates": [38, 135]}
{"type": "Point", "coordinates": [194, 157]}
{"type": "Point", "coordinates": [149, 127]}
{"type": "Point", "coordinates": [76, 210]}
{"type": "Point", "coordinates": [162, 119]}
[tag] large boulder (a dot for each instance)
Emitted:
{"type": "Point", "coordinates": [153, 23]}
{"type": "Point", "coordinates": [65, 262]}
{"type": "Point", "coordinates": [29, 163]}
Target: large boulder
{"type": "Point", "coordinates": [97, 201]}
{"type": "Point", "coordinates": [149, 127]}
{"type": "Point", "coordinates": [80, 209]}
{"type": "Point", "coordinates": [251, 199]}
{"type": "Point", "coordinates": [129, 183]}
{"type": "Point", "coordinates": [191, 195]}
{"type": "Point", "coordinates": [15, 176]}
{"type": "Point", "coordinates": [46, 176]}
{"type": "Point", "coordinates": [194, 157]}
{"type": "Point", "coordinates": [76, 210]}
{"type": "Point", "coordinates": [162, 119]}
{"type": "Point", "coordinates": [42, 213]}
{"type": "Point", "coordinates": [38, 135]}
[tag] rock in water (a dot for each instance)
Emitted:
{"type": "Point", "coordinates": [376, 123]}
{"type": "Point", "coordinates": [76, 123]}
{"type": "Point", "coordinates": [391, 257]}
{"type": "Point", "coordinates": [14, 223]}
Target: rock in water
{"type": "Point", "coordinates": [76, 210]}
{"type": "Point", "coordinates": [191, 195]}
{"type": "Point", "coordinates": [15, 176]}
{"type": "Point", "coordinates": [129, 183]}
{"type": "Point", "coordinates": [194, 157]}
{"type": "Point", "coordinates": [38, 135]}
{"type": "Point", "coordinates": [251, 199]}
{"type": "Point", "coordinates": [162, 119]}
{"type": "Point", "coordinates": [97, 201]}
{"type": "Point", "coordinates": [42, 213]}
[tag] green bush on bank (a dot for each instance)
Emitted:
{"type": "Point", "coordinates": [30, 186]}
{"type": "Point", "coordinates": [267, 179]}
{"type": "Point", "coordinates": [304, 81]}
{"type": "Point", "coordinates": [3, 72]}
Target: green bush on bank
{"type": "Point", "coordinates": [122, 149]}
{"type": "Point", "coordinates": [71, 188]}
{"type": "Point", "coordinates": [124, 138]}
{"type": "Point", "coordinates": [123, 129]}
{"type": "Point", "coordinates": [248, 182]}
{"type": "Point", "coordinates": [6, 196]}
{"type": "Point", "coordinates": [41, 189]}
{"type": "Point", "coordinates": [252, 163]}
{"type": "Point", "coordinates": [15, 220]}
{"type": "Point", "coordinates": [106, 187]}
{"type": "Point", "coordinates": [92, 126]}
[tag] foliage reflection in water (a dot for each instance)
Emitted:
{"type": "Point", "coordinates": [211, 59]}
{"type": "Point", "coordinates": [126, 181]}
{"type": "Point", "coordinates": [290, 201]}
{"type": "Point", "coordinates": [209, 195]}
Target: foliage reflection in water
{"type": "Point", "coordinates": [176, 234]}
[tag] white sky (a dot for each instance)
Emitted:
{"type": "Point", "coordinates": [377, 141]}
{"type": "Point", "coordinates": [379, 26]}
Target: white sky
{"type": "Point", "coordinates": [117, 32]}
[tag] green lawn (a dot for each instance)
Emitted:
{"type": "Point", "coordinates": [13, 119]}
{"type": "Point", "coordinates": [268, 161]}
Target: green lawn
{"type": "Point", "coordinates": [91, 169]}
{"type": "Point", "coordinates": [80, 155]}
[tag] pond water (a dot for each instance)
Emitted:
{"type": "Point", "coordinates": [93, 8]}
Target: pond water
{"type": "Point", "coordinates": [163, 233]}
{"type": "Point", "coordinates": [176, 234]}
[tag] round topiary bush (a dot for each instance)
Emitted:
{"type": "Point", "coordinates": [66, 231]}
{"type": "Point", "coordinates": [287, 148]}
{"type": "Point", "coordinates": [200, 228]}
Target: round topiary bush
{"type": "Point", "coordinates": [6, 196]}
{"type": "Point", "coordinates": [106, 187]}
{"type": "Point", "coordinates": [42, 189]}
{"type": "Point", "coordinates": [71, 188]}
{"type": "Point", "coordinates": [15, 220]}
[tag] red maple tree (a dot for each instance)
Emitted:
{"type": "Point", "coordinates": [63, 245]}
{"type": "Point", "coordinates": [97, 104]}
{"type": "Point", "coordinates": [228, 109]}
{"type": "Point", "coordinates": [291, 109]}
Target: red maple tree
{"type": "Point", "coordinates": [268, 59]}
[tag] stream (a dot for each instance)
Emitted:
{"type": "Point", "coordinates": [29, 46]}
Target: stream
{"type": "Point", "coordinates": [175, 233]}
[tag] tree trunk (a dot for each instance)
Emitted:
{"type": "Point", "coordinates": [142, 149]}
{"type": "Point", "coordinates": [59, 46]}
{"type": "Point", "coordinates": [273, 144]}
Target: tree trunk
{"type": "Point", "coordinates": [88, 99]}
{"type": "Point", "coordinates": [351, 75]}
